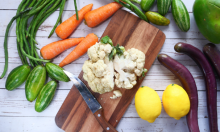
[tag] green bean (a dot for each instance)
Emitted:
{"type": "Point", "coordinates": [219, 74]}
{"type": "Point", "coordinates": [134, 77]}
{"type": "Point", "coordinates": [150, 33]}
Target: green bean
{"type": "Point", "coordinates": [136, 1]}
{"type": "Point", "coordinates": [77, 17]}
{"type": "Point", "coordinates": [30, 26]}
{"type": "Point", "coordinates": [62, 5]}
{"type": "Point", "coordinates": [17, 21]}
{"type": "Point", "coordinates": [19, 53]}
{"type": "Point", "coordinates": [32, 3]}
{"type": "Point", "coordinates": [31, 37]}
{"type": "Point", "coordinates": [51, 8]}
{"type": "Point", "coordinates": [132, 7]}
{"type": "Point", "coordinates": [6, 41]}
{"type": "Point", "coordinates": [35, 23]}
{"type": "Point", "coordinates": [32, 12]}
{"type": "Point", "coordinates": [43, 19]}
{"type": "Point", "coordinates": [29, 56]}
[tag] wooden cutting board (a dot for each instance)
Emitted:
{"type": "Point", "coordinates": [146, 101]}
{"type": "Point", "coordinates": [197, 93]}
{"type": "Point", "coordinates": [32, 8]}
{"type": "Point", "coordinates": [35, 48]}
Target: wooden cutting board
{"type": "Point", "coordinates": [131, 32]}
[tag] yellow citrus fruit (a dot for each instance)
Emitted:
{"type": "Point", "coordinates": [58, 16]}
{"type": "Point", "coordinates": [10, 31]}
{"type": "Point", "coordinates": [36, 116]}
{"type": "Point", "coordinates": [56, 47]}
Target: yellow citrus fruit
{"type": "Point", "coordinates": [176, 101]}
{"type": "Point", "coordinates": [147, 104]}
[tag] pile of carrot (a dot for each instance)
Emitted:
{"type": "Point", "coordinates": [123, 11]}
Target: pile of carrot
{"type": "Point", "coordinates": [65, 29]}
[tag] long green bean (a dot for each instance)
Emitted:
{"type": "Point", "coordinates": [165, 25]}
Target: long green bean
{"type": "Point", "coordinates": [6, 41]}
{"type": "Point", "coordinates": [77, 17]}
{"type": "Point", "coordinates": [35, 23]}
{"type": "Point", "coordinates": [17, 21]}
{"type": "Point", "coordinates": [22, 30]}
{"type": "Point", "coordinates": [43, 19]}
{"type": "Point", "coordinates": [32, 3]}
{"type": "Point", "coordinates": [29, 56]}
{"type": "Point", "coordinates": [32, 12]}
{"type": "Point", "coordinates": [62, 5]}
{"type": "Point", "coordinates": [132, 7]}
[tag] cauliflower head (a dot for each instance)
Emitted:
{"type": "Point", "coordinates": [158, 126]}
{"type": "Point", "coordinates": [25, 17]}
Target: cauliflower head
{"type": "Point", "coordinates": [108, 61]}
{"type": "Point", "coordinates": [99, 70]}
{"type": "Point", "coordinates": [128, 66]}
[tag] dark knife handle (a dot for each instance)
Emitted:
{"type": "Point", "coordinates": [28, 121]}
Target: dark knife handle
{"type": "Point", "coordinates": [99, 115]}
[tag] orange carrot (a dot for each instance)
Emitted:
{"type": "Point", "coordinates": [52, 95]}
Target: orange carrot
{"type": "Point", "coordinates": [80, 49]}
{"type": "Point", "coordinates": [97, 16]}
{"type": "Point", "coordinates": [67, 27]}
{"type": "Point", "coordinates": [53, 49]}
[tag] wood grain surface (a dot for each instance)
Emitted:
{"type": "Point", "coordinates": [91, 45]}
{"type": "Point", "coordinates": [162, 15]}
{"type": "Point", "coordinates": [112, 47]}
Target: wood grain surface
{"type": "Point", "coordinates": [127, 30]}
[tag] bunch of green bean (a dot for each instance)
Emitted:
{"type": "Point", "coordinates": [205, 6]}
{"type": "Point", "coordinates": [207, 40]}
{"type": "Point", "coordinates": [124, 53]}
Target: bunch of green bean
{"type": "Point", "coordinates": [30, 15]}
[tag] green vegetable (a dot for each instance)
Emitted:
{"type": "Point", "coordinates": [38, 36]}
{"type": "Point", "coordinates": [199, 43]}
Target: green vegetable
{"type": "Point", "coordinates": [143, 74]}
{"type": "Point", "coordinates": [56, 72]}
{"type": "Point", "coordinates": [77, 17]}
{"type": "Point", "coordinates": [17, 77]}
{"type": "Point", "coordinates": [157, 19]}
{"type": "Point", "coordinates": [106, 40]}
{"type": "Point", "coordinates": [163, 6]}
{"type": "Point", "coordinates": [119, 49]}
{"type": "Point", "coordinates": [132, 7]}
{"type": "Point", "coordinates": [46, 96]}
{"type": "Point", "coordinates": [180, 15]}
{"type": "Point", "coordinates": [35, 11]}
{"type": "Point", "coordinates": [207, 17]}
{"type": "Point", "coordinates": [35, 82]}
{"type": "Point", "coordinates": [146, 4]}
{"type": "Point", "coordinates": [6, 41]}
{"type": "Point", "coordinates": [62, 5]}
{"type": "Point", "coordinates": [111, 55]}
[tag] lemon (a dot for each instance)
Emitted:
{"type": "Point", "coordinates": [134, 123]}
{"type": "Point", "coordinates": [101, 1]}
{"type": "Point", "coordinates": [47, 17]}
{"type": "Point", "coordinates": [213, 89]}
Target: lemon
{"type": "Point", "coordinates": [176, 101]}
{"type": "Point", "coordinates": [147, 104]}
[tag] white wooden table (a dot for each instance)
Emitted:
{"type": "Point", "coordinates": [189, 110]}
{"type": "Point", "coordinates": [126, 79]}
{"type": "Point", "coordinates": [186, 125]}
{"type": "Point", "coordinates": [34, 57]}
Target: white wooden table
{"type": "Point", "coordinates": [18, 115]}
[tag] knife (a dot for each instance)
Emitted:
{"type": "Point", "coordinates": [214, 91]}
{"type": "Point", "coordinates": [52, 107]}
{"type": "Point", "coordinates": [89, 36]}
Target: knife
{"type": "Point", "coordinates": [91, 101]}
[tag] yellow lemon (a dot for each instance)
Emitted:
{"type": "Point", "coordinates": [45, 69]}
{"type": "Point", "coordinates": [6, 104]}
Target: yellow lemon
{"type": "Point", "coordinates": [176, 101]}
{"type": "Point", "coordinates": [147, 104]}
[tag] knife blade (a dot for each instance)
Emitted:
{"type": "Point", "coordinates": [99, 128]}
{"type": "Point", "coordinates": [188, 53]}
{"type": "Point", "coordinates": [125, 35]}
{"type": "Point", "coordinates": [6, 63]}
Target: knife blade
{"type": "Point", "coordinates": [91, 101]}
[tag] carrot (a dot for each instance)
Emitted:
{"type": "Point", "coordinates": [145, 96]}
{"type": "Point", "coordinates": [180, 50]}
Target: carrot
{"type": "Point", "coordinates": [67, 27]}
{"type": "Point", "coordinates": [53, 49]}
{"type": "Point", "coordinates": [97, 16]}
{"type": "Point", "coordinates": [80, 49]}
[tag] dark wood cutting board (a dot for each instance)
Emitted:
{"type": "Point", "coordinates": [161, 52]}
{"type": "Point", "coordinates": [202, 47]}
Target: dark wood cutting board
{"type": "Point", "coordinates": [127, 30]}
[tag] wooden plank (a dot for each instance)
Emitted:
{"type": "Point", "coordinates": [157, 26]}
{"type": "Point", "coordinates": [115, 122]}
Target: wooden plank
{"type": "Point", "coordinates": [158, 77]}
{"type": "Point", "coordinates": [168, 48]}
{"type": "Point", "coordinates": [14, 103]}
{"type": "Point", "coordinates": [171, 31]}
{"type": "Point", "coordinates": [13, 4]}
{"type": "Point", "coordinates": [122, 29]}
{"type": "Point", "coordinates": [46, 124]}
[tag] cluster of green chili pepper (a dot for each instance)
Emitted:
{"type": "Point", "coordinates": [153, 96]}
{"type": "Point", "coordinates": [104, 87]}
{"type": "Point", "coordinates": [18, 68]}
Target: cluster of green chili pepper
{"type": "Point", "coordinates": [35, 12]}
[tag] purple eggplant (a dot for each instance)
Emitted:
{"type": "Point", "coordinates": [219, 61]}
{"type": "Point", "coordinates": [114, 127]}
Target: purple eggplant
{"type": "Point", "coordinates": [213, 54]}
{"type": "Point", "coordinates": [188, 83]}
{"type": "Point", "coordinates": [211, 86]}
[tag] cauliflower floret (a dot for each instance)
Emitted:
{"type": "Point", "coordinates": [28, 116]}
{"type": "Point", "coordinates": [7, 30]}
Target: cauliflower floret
{"type": "Point", "coordinates": [128, 66]}
{"type": "Point", "coordinates": [99, 71]}
{"type": "Point", "coordinates": [117, 94]}
{"type": "Point", "coordinates": [138, 57]}
{"type": "Point", "coordinates": [99, 51]}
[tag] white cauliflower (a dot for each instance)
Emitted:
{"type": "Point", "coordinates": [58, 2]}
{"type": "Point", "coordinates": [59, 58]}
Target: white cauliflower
{"type": "Point", "coordinates": [128, 66]}
{"type": "Point", "coordinates": [99, 71]}
{"type": "Point", "coordinates": [117, 94]}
